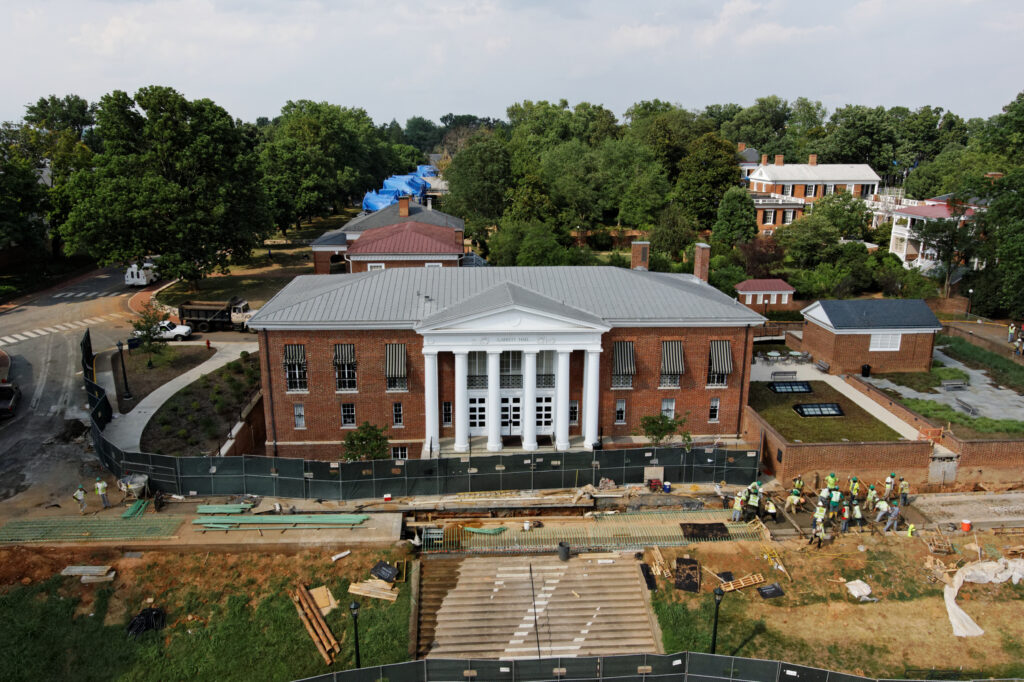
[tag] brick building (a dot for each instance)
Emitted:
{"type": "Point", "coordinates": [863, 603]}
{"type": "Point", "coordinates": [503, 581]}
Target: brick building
{"type": "Point", "coordinates": [782, 191]}
{"type": "Point", "coordinates": [406, 245]}
{"type": "Point", "coordinates": [763, 295]}
{"type": "Point", "coordinates": [330, 250]}
{"type": "Point", "coordinates": [891, 335]}
{"type": "Point", "coordinates": [515, 356]}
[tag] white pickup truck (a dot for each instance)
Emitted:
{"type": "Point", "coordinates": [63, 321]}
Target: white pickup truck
{"type": "Point", "coordinates": [168, 331]}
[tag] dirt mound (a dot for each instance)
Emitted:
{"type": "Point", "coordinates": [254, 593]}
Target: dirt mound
{"type": "Point", "coordinates": [32, 564]}
{"type": "Point", "coordinates": [72, 430]}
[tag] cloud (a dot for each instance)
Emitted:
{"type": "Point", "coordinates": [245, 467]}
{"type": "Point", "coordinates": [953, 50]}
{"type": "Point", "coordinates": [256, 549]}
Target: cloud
{"type": "Point", "coordinates": [643, 36]}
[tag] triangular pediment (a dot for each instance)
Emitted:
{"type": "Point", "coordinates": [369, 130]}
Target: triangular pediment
{"type": "Point", "coordinates": [510, 307]}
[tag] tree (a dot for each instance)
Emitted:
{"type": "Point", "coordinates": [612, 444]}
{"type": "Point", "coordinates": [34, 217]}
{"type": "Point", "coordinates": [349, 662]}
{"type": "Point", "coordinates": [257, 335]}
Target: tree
{"type": "Point", "coordinates": [762, 258]}
{"type": "Point", "coordinates": [859, 134]}
{"type": "Point", "coordinates": [819, 282]}
{"type": "Point", "coordinates": [707, 171]}
{"type": "Point", "coordinates": [1005, 132]}
{"type": "Point", "coordinates": [176, 177]}
{"type": "Point", "coordinates": [366, 442]}
{"type": "Point", "coordinates": [569, 171]}
{"type": "Point", "coordinates": [479, 178]}
{"type": "Point", "coordinates": [807, 240]}
{"type": "Point", "coordinates": [737, 218]}
{"type": "Point", "coordinates": [850, 215]}
{"type": "Point", "coordinates": [951, 170]}
{"type": "Point", "coordinates": [423, 133]}
{"type": "Point", "coordinates": [540, 247]}
{"type": "Point", "coordinates": [1003, 224]}
{"type": "Point", "coordinates": [805, 129]}
{"type": "Point", "coordinates": [22, 201]}
{"type": "Point", "coordinates": [657, 428]}
{"type": "Point", "coordinates": [146, 327]}
{"type": "Point", "coordinates": [667, 130]}
{"type": "Point", "coordinates": [761, 125]}
{"type": "Point", "coordinates": [674, 231]}
{"type": "Point", "coordinates": [724, 274]}
{"type": "Point", "coordinates": [952, 242]}
{"type": "Point", "coordinates": [70, 112]}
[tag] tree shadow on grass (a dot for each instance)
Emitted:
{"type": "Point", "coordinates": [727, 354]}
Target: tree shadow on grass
{"type": "Point", "coordinates": [758, 629]}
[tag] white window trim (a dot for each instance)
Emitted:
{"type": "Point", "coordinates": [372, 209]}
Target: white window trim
{"type": "Point", "coordinates": [398, 449]}
{"type": "Point", "coordinates": [297, 409]}
{"type": "Point", "coordinates": [397, 410]}
{"type": "Point", "coordinates": [768, 212]}
{"type": "Point", "coordinates": [432, 265]}
{"type": "Point", "coordinates": [785, 299]}
{"type": "Point", "coordinates": [574, 422]}
{"type": "Point", "coordinates": [668, 407]}
{"type": "Point", "coordinates": [623, 420]}
{"type": "Point", "coordinates": [355, 421]}
{"type": "Point", "coordinates": [771, 301]}
{"type": "Point", "coordinates": [810, 191]}
{"type": "Point", "coordinates": [830, 189]}
{"type": "Point", "coordinates": [748, 298]}
{"type": "Point", "coordinates": [451, 411]}
{"type": "Point", "coordinates": [374, 266]}
{"type": "Point", "coordinates": [885, 343]}
{"type": "Point", "coordinates": [715, 404]}
{"type": "Point", "coordinates": [787, 216]}
{"type": "Point", "coordinates": [787, 190]}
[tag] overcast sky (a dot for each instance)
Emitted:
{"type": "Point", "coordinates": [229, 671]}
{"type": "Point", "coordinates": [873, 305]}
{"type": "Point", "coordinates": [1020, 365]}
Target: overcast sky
{"type": "Point", "coordinates": [399, 59]}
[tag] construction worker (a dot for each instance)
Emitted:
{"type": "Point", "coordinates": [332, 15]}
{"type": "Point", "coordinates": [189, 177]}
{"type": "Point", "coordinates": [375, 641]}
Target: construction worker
{"type": "Point", "coordinates": [770, 510]}
{"type": "Point", "coordinates": [910, 530]}
{"type": "Point", "coordinates": [825, 495]}
{"type": "Point", "coordinates": [890, 484]}
{"type": "Point", "coordinates": [831, 481]}
{"type": "Point", "coordinates": [80, 496]}
{"type": "Point", "coordinates": [818, 520]}
{"type": "Point", "coordinates": [793, 501]}
{"type": "Point", "coordinates": [857, 514]}
{"type": "Point", "coordinates": [882, 507]}
{"type": "Point", "coordinates": [835, 503]}
{"type": "Point", "coordinates": [101, 490]}
{"type": "Point", "coordinates": [904, 492]}
{"type": "Point", "coordinates": [798, 483]}
{"type": "Point", "coordinates": [753, 504]}
{"type": "Point", "coordinates": [1010, 332]}
{"type": "Point", "coordinates": [894, 519]}
{"type": "Point", "coordinates": [854, 488]}
{"type": "Point", "coordinates": [872, 498]}
{"type": "Point", "coordinates": [844, 518]}
{"type": "Point", "coordinates": [737, 507]}
{"type": "Point", "coordinates": [817, 533]}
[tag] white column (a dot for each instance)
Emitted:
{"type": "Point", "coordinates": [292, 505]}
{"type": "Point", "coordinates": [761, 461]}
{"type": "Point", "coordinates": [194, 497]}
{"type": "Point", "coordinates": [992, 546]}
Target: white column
{"type": "Point", "coordinates": [591, 398]}
{"type": "Point", "coordinates": [494, 401]}
{"type": "Point", "coordinates": [461, 402]}
{"type": "Point", "coordinates": [562, 401]}
{"type": "Point", "coordinates": [430, 433]}
{"type": "Point", "coordinates": [529, 400]}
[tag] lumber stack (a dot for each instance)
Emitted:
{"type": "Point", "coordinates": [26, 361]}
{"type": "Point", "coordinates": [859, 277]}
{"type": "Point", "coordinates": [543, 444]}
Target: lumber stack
{"type": "Point", "coordinates": [374, 588]}
{"type": "Point", "coordinates": [315, 624]}
{"type": "Point", "coordinates": [747, 581]}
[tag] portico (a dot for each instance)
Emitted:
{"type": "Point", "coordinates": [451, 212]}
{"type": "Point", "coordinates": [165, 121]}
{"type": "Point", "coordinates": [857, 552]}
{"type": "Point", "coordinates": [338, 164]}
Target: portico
{"type": "Point", "coordinates": [512, 351]}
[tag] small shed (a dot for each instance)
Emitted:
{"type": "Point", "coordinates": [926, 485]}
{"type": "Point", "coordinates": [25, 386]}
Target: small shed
{"type": "Point", "coordinates": [762, 295]}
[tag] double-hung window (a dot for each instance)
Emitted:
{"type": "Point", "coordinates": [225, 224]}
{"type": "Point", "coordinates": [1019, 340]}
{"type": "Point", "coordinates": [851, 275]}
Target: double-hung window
{"type": "Point", "coordinates": [395, 367]}
{"type": "Point", "coordinates": [885, 342]}
{"type": "Point", "coordinates": [348, 415]}
{"type": "Point", "coordinates": [787, 216]}
{"type": "Point", "coordinates": [810, 190]}
{"type": "Point", "coordinates": [299, 413]}
{"type": "Point", "coordinates": [344, 367]}
{"type": "Point", "coordinates": [623, 365]}
{"type": "Point", "coordinates": [295, 378]}
{"type": "Point", "coordinates": [620, 411]}
{"type": "Point", "coordinates": [769, 216]}
{"type": "Point", "coordinates": [671, 364]}
{"type": "Point", "coordinates": [400, 452]}
{"type": "Point", "coordinates": [830, 189]}
{"type": "Point", "coordinates": [397, 418]}
{"type": "Point", "coordinates": [713, 410]}
{"type": "Point", "coordinates": [719, 364]}
{"type": "Point", "coordinates": [668, 408]}
{"type": "Point", "coordinates": [446, 413]}
{"type": "Point", "coordinates": [574, 412]}
{"type": "Point", "coordinates": [787, 190]}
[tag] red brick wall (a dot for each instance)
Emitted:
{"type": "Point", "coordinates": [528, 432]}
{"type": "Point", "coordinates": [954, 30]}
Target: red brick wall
{"type": "Point", "coordinates": [954, 305]}
{"type": "Point", "coordinates": [845, 353]}
{"type": "Point", "coordinates": [1001, 348]}
{"type": "Point", "coordinates": [251, 437]}
{"type": "Point", "coordinates": [692, 396]}
{"type": "Point", "coordinates": [763, 307]}
{"type": "Point", "coordinates": [322, 263]}
{"type": "Point", "coordinates": [361, 266]}
{"type": "Point", "coordinates": [867, 461]}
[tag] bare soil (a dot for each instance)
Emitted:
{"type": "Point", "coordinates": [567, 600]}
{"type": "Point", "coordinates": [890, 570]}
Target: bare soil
{"type": "Point", "coordinates": [172, 362]}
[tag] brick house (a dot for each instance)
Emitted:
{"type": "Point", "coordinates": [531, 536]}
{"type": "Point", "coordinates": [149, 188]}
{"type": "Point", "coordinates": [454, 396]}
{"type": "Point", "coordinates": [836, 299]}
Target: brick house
{"type": "Point", "coordinates": [330, 249]}
{"type": "Point", "coordinates": [762, 295]}
{"type": "Point", "coordinates": [748, 157]}
{"type": "Point", "coordinates": [513, 357]}
{"type": "Point", "coordinates": [891, 335]}
{"type": "Point", "coordinates": [782, 191]}
{"type": "Point", "coordinates": [406, 245]}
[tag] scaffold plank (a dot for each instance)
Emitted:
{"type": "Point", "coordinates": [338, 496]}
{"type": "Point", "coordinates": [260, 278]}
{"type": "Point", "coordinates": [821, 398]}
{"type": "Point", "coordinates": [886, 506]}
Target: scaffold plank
{"type": "Point", "coordinates": [70, 529]}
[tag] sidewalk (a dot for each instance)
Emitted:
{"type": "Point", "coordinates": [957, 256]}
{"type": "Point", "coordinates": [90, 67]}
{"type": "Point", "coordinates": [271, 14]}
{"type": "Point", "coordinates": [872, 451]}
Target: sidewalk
{"type": "Point", "coordinates": [125, 431]}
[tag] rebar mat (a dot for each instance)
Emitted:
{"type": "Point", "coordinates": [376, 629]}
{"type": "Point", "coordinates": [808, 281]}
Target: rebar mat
{"type": "Point", "coordinates": [69, 529]}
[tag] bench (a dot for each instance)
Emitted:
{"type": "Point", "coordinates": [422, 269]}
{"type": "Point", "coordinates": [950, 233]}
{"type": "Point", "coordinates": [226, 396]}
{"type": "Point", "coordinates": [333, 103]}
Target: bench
{"type": "Point", "coordinates": [967, 407]}
{"type": "Point", "coordinates": [954, 385]}
{"type": "Point", "coordinates": [783, 376]}
{"type": "Point", "coordinates": [822, 365]}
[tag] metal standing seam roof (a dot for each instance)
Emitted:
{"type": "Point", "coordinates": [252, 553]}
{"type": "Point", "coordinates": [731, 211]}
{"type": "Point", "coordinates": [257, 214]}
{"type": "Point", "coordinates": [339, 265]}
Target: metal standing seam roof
{"type": "Point", "coordinates": [887, 313]}
{"type": "Point", "coordinates": [856, 173]}
{"type": "Point", "coordinates": [389, 216]}
{"type": "Point", "coordinates": [764, 285]}
{"type": "Point", "coordinates": [408, 297]}
{"type": "Point", "coordinates": [408, 237]}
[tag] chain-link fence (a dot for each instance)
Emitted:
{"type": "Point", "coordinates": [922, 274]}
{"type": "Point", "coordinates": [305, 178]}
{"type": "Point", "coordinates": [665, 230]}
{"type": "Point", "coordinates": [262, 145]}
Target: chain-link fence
{"type": "Point", "coordinates": [313, 479]}
{"type": "Point", "coordinates": [683, 667]}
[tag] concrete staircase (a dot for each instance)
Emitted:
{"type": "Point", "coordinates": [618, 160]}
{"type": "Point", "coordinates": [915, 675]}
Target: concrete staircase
{"type": "Point", "coordinates": [489, 611]}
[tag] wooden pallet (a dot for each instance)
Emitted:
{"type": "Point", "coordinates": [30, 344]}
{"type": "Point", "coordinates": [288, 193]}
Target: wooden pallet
{"type": "Point", "coordinates": [747, 581]}
{"type": "Point", "coordinates": [374, 588]}
{"type": "Point", "coordinates": [936, 542]}
{"type": "Point", "coordinates": [1009, 531]}
{"type": "Point", "coordinates": [756, 525]}
{"type": "Point", "coordinates": [659, 563]}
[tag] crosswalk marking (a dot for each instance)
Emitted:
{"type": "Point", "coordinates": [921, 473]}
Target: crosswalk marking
{"type": "Point", "coordinates": [41, 332]}
{"type": "Point", "coordinates": [50, 329]}
{"type": "Point", "coordinates": [91, 294]}
{"type": "Point", "coordinates": [19, 337]}
{"type": "Point", "coordinates": [29, 335]}
{"type": "Point", "coordinates": [92, 320]}
{"type": "Point", "coordinates": [63, 327]}
{"type": "Point", "coordinates": [7, 339]}
{"type": "Point", "coordinates": [80, 294]}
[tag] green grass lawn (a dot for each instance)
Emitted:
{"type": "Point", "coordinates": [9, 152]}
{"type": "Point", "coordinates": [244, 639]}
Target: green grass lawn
{"type": "Point", "coordinates": [228, 618]}
{"type": "Point", "coordinates": [856, 425]}
{"type": "Point", "coordinates": [925, 382]}
{"type": "Point", "coordinates": [318, 226]}
{"type": "Point", "coordinates": [1001, 370]}
{"type": "Point", "coordinates": [962, 424]}
{"type": "Point", "coordinates": [256, 290]}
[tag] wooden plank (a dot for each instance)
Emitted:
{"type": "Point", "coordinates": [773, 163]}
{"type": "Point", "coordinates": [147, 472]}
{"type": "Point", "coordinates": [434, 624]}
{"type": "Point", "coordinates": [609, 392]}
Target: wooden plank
{"type": "Point", "coordinates": [746, 581]}
{"type": "Point", "coordinates": [317, 618]}
{"type": "Point", "coordinates": [309, 629]}
{"type": "Point", "coordinates": [374, 594]}
{"type": "Point", "coordinates": [86, 570]}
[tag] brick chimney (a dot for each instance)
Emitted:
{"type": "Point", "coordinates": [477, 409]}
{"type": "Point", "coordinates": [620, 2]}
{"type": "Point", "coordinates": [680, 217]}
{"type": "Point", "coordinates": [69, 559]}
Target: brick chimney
{"type": "Point", "coordinates": [812, 160]}
{"type": "Point", "coordinates": [403, 207]}
{"type": "Point", "coordinates": [430, 203]}
{"type": "Point", "coordinates": [701, 260]}
{"type": "Point", "coordinates": [460, 240]}
{"type": "Point", "coordinates": [741, 146]}
{"type": "Point", "coordinates": [778, 159]}
{"type": "Point", "coordinates": [764, 159]}
{"type": "Point", "coordinates": [640, 255]}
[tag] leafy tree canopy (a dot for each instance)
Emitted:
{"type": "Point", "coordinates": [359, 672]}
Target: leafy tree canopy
{"type": "Point", "coordinates": [737, 219]}
{"type": "Point", "coordinates": [22, 201]}
{"type": "Point", "coordinates": [849, 214]}
{"type": "Point", "coordinates": [366, 442]}
{"type": "Point", "coordinates": [705, 173]}
{"type": "Point", "coordinates": [807, 240]}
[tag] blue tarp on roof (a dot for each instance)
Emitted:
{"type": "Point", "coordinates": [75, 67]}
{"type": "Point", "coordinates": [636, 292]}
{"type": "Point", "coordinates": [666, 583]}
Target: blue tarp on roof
{"type": "Point", "coordinates": [407, 184]}
{"type": "Point", "coordinates": [426, 171]}
{"type": "Point", "coordinates": [374, 201]}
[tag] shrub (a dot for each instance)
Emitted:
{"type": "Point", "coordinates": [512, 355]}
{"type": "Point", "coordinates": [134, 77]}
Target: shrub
{"type": "Point", "coordinates": [182, 433]}
{"type": "Point", "coordinates": [235, 366]}
{"type": "Point", "coordinates": [194, 404]}
{"type": "Point", "coordinates": [244, 355]}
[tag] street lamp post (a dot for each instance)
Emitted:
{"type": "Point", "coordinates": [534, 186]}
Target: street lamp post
{"type": "Point", "coordinates": [970, 302]}
{"type": "Point", "coordinates": [719, 593]}
{"type": "Point", "coordinates": [127, 395]}
{"type": "Point", "coordinates": [354, 608]}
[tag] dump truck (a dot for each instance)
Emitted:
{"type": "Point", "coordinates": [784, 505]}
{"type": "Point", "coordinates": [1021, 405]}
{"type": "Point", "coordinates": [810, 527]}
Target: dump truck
{"type": "Point", "coordinates": [211, 315]}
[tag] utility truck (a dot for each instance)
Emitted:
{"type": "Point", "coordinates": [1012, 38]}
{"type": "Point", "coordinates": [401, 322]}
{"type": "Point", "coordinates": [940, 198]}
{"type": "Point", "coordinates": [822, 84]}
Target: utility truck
{"type": "Point", "coordinates": [212, 315]}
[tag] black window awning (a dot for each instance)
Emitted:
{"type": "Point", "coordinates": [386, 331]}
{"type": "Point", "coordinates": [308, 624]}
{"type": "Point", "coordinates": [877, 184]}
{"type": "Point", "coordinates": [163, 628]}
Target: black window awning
{"type": "Point", "coordinates": [394, 367]}
{"type": "Point", "coordinates": [721, 357]}
{"type": "Point", "coordinates": [671, 357]}
{"type": "Point", "coordinates": [623, 363]}
{"type": "Point", "coordinates": [344, 354]}
{"type": "Point", "coordinates": [294, 354]}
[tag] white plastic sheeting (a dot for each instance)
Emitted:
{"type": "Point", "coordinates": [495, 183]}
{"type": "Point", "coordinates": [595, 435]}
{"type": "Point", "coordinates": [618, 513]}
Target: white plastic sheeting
{"type": "Point", "coordinates": [978, 572]}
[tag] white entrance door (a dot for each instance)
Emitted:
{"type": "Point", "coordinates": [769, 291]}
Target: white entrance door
{"type": "Point", "coordinates": [544, 410]}
{"type": "Point", "coordinates": [511, 421]}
